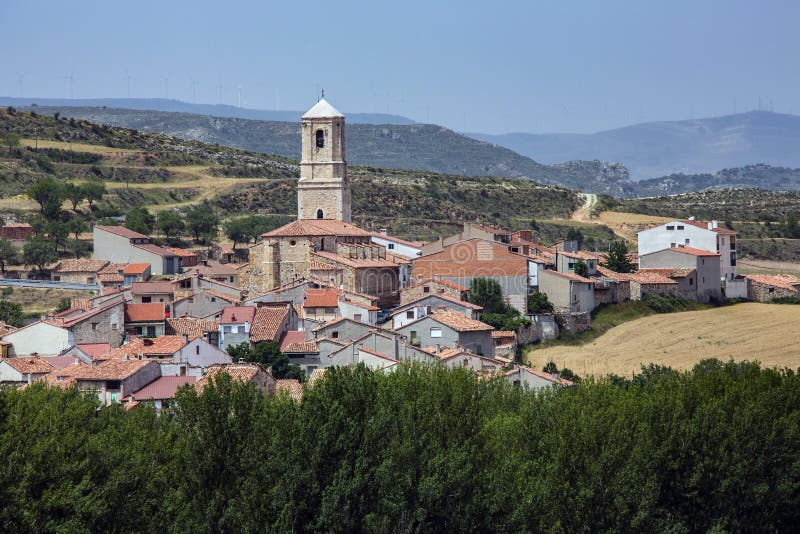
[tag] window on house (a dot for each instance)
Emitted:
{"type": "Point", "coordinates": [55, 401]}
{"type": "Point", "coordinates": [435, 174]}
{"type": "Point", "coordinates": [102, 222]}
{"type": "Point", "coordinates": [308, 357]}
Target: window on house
{"type": "Point", "coordinates": [151, 331]}
{"type": "Point", "coordinates": [357, 317]}
{"type": "Point", "coordinates": [197, 349]}
{"type": "Point", "coordinates": [426, 289]}
{"type": "Point", "coordinates": [680, 227]}
{"type": "Point", "coordinates": [517, 383]}
{"type": "Point", "coordinates": [137, 330]}
{"type": "Point", "coordinates": [466, 362]}
{"type": "Point", "coordinates": [213, 299]}
{"type": "Point", "coordinates": [414, 339]}
{"type": "Point", "coordinates": [113, 326]}
{"type": "Point", "coordinates": [94, 327]}
{"type": "Point", "coordinates": [320, 139]}
{"type": "Point", "coordinates": [479, 349]}
{"type": "Point", "coordinates": [691, 281]}
{"type": "Point", "coordinates": [334, 335]}
{"type": "Point", "coordinates": [733, 259]}
{"type": "Point", "coordinates": [571, 266]}
{"type": "Point", "coordinates": [147, 300]}
{"type": "Point", "coordinates": [329, 311]}
{"type": "Point", "coordinates": [90, 280]}
{"type": "Point", "coordinates": [410, 314]}
{"type": "Point", "coordinates": [226, 329]}
{"type": "Point", "coordinates": [670, 228]}
{"type": "Point", "coordinates": [771, 290]}
{"type": "Point", "coordinates": [320, 215]}
{"type": "Point", "coordinates": [232, 279]}
{"type": "Point", "coordinates": [113, 384]}
{"type": "Point", "coordinates": [704, 279]}
{"type": "Point", "coordinates": [390, 246]}
{"type": "Point", "coordinates": [672, 245]}
{"type": "Point", "coordinates": [436, 331]}
{"type": "Point", "coordinates": [687, 241]}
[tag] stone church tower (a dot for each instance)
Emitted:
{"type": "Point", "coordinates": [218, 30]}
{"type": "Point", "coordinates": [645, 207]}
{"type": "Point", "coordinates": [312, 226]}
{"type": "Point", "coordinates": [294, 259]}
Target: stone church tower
{"type": "Point", "coordinates": [323, 191]}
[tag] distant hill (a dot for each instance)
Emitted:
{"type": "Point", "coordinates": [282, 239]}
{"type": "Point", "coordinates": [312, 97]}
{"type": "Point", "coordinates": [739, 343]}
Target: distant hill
{"type": "Point", "coordinates": [654, 149]}
{"type": "Point", "coordinates": [418, 147]}
{"type": "Point", "coordinates": [217, 110]}
{"type": "Point", "coordinates": [752, 176]}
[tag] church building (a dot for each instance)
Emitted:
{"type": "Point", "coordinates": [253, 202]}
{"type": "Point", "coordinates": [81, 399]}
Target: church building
{"type": "Point", "coordinates": [322, 245]}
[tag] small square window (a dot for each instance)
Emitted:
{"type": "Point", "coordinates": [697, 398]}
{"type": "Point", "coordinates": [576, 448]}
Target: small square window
{"type": "Point", "coordinates": [426, 289]}
{"type": "Point", "coordinates": [436, 331]}
{"type": "Point", "coordinates": [410, 314]}
{"type": "Point", "coordinates": [334, 335]}
{"type": "Point", "coordinates": [390, 246]}
{"type": "Point", "coordinates": [670, 228]}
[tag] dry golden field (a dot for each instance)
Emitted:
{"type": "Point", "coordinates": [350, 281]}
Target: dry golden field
{"type": "Point", "coordinates": [769, 333]}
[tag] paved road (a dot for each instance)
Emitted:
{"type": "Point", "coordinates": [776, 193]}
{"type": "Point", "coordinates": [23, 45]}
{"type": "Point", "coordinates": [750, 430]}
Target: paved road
{"type": "Point", "coordinates": [47, 284]}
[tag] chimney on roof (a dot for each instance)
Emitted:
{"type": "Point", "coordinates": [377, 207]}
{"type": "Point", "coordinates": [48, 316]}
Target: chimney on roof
{"type": "Point", "coordinates": [148, 341]}
{"type": "Point", "coordinates": [383, 231]}
{"type": "Point", "coordinates": [185, 338]}
{"type": "Point", "coordinates": [691, 218]}
{"type": "Point", "coordinates": [712, 225]}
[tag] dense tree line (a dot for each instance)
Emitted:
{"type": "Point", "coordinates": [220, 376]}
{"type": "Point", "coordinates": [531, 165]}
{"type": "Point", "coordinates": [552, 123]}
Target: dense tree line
{"type": "Point", "coordinates": [426, 450]}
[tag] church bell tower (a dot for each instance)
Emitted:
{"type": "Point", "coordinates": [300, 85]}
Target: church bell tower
{"type": "Point", "coordinates": [323, 191]}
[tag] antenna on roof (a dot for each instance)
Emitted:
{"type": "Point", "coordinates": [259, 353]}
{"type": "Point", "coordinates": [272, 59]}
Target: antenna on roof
{"type": "Point", "coordinates": [323, 92]}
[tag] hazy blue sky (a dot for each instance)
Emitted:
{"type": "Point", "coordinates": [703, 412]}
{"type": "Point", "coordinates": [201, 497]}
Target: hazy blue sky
{"type": "Point", "coordinates": [479, 66]}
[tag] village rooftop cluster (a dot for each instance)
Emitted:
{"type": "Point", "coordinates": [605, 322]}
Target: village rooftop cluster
{"type": "Point", "coordinates": [329, 293]}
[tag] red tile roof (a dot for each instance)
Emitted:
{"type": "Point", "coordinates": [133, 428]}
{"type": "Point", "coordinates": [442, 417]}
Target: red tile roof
{"type": "Point", "coordinates": [648, 277]}
{"type": "Point", "coordinates": [291, 387]}
{"type": "Point", "coordinates": [80, 266]}
{"type": "Point", "coordinates": [267, 323]}
{"type": "Point", "coordinates": [317, 227]}
{"type": "Point", "coordinates": [135, 268]}
{"type": "Point", "coordinates": [321, 298]}
{"type": "Point", "coordinates": [163, 346]}
{"type": "Point", "coordinates": [459, 322]}
{"type": "Point", "coordinates": [162, 388]}
{"type": "Point", "coordinates": [237, 314]}
{"type": "Point", "coordinates": [295, 342]}
{"type": "Point", "coordinates": [687, 250]}
{"type": "Point", "coordinates": [242, 371]}
{"type": "Point", "coordinates": [121, 231]}
{"type": "Point", "coordinates": [95, 350]}
{"type": "Point", "coordinates": [149, 288]}
{"type": "Point", "coordinates": [145, 313]}
{"type": "Point", "coordinates": [191, 326]}
{"type": "Point", "coordinates": [317, 265]}
{"type": "Point", "coordinates": [458, 302]}
{"type": "Point", "coordinates": [782, 281]}
{"type": "Point", "coordinates": [183, 253]}
{"type": "Point", "coordinates": [59, 362]}
{"type": "Point", "coordinates": [29, 365]}
{"type": "Point", "coordinates": [108, 370]}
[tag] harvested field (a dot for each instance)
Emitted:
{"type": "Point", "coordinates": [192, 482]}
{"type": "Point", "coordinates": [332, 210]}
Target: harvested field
{"type": "Point", "coordinates": [35, 300]}
{"type": "Point", "coordinates": [768, 333]}
{"type": "Point", "coordinates": [753, 266]}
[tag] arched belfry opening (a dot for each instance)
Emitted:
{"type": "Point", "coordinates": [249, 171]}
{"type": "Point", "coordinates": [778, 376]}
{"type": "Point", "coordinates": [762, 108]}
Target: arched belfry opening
{"type": "Point", "coordinates": [320, 139]}
{"type": "Point", "coordinates": [320, 214]}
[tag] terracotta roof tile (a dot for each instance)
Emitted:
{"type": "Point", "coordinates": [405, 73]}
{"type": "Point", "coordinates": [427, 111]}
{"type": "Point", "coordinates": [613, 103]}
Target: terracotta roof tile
{"type": "Point", "coordinates": [155, 249]}
{"type": "Point", "coordinates": [152, 347]}
{"type": "Point", "coordinates": [459, 322]}
{"type": "Point", "coordinates": [357, 263]}
{"type": "Point", "coordinates": [29, 365]}
{"type": "Point", "coordinates": [291, 387]}
{"type": "Point", "coordinates": [135, 268]}
{"type": "Point", "coordinates": [111, 278]}
{"type": "Point", "coordinates": [145, 313]}
{"type": "Point", "coordinates": [570, 276]}
{"type": "Point", "coordinates": [191, 326]}
{"type": "Point", "coordinates": [704, 226]}
{"type": "Point", "coordinates": [108, 370]}
{"type": "Point", "coordinates": [80, 266]}
{"type": "Point", "coordinates": [782, 281]}
{"type": "Point", "coordinates": [145, 288]}
{"type": "Point", "coordinates": [242, 371]}
{"type": "Point", "coordinates": [318, 227]}
{"type": "Point", "coordinates": [267, 323]}
{"type": "Point", "coordinates": [440, 281]}
{"type": "Point", "coordinates": [321, 298]}
{"type": "Point", "coordinates": [95, 351]}
{"type": "Point", "coordinates": [164, 387]}
{"type": "Point", "coordinates": [316, 375]}
{"type": "Point", "coordinates": [237, 314]}
{"type": "Point", "coordinates": [687, 250]}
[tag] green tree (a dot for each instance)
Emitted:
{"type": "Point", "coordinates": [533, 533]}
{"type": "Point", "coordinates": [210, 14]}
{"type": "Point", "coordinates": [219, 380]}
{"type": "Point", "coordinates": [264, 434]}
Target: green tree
{"type": "Point", "coordinates": [58, 234]}
{"type": "Point", "coordinates": [791, 227]}
{"type": "Point", "coordinates": [618, 260]}
{"type": "Point", "coordinates": [171, 224]}
{"type": "Point", "coordinates": [486, 292]}
{"type": "Point", "coordinates": [8, 254]}
{"type": "Point", "coordinates": [574, 234]}
{"type": "Point", "coordinates": [203, 222]}
{"type": "Point", "coordinates": [75, 194]}
{"type": "Point", "coordinates": [11, 140]}
{"type": "Point", "coordinates": [239, 230]}
{"type": "Point", "coordinates": [139, 219]}
{"type": "Point", "coordinates": [538, 303]}
{"type": "Point", "coordinates": [267, 354]}
{"type": "Point", "coordinates": [11, 313]}
{"type": "Point", "coordinates": [76, 226]}
{"type": "Point", "coordinates": [581, 269]}
{"type": "Point", "coordinates": [39, 251]}
{"type": "Point", "coordinates": [550, 367]}
{"type": "Point", "coordinates": [64, 304]}
{"type": "Point", "coordinates": [93, 191]}
{"type": "Point", "coordinates": [50, 195]}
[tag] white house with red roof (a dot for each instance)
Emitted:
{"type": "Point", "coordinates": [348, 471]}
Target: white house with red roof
{"type": "Point", "coordinates": [234, 325]}
{"type": "Point", "coordinates": [706, 264]}
{"type": "Point", "coordinates": [707, 236]}
{"type": "Point", "coordinates": [429, 304]}
{"type": "Point", "coordinates": [569, 292]}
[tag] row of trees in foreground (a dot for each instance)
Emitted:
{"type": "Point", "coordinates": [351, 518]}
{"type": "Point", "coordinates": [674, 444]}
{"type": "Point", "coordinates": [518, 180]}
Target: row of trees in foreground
{"type": "Point", "coordinates": [425, 450]}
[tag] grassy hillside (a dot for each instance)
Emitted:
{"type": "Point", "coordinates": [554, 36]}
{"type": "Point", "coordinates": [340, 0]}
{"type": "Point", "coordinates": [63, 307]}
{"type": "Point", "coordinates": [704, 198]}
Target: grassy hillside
{"type": "Point", "coordinates": [163, 172]}
{"type": "Point", "coordinates": [680, 340]}
{"type": "Point", "coordinates": [418, 147]}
